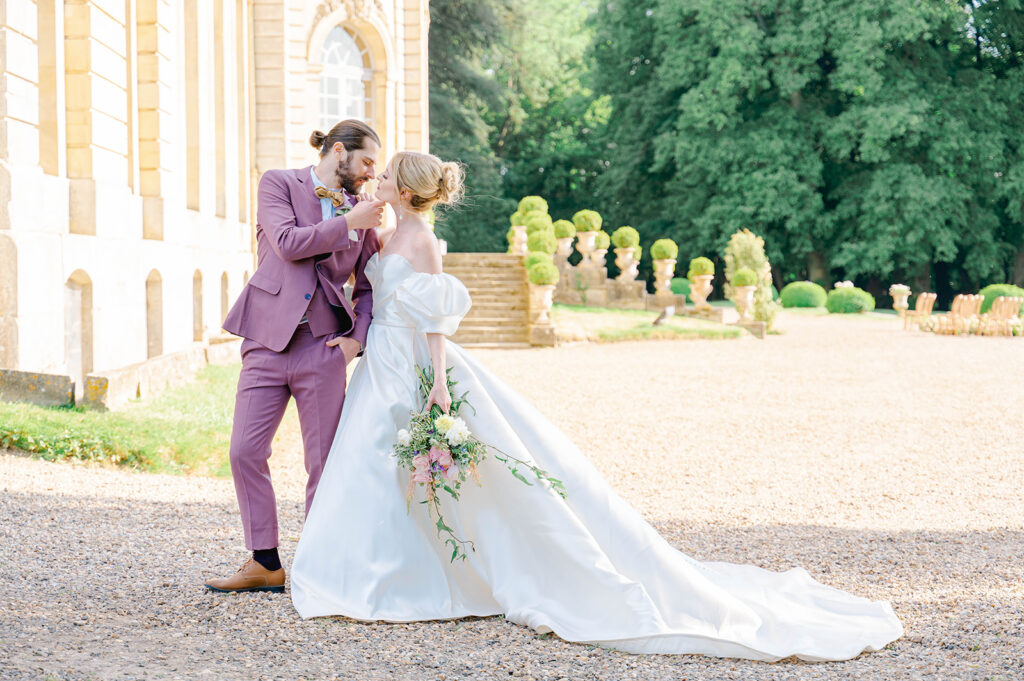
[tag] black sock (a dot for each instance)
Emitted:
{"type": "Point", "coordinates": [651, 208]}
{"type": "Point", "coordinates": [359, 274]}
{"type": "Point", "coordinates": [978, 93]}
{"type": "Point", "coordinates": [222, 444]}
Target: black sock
{"type": "Point", "coordinates": [268, 558]}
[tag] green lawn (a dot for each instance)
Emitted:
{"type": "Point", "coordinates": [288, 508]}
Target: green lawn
{"type": "Point", "coordinates": [600, 324]}
{"type": "Point", "coordinates": [185, 429]}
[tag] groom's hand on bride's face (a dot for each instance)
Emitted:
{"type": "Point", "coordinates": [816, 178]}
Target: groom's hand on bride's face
{"type": "Point", "coordinates": [365, 215]}
{"type": "Point", "coordinates": [349, 346]}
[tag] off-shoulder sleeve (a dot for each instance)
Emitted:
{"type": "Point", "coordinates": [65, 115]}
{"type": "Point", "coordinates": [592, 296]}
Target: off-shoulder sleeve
{"type": "Point", "coordinates": [433, 303]}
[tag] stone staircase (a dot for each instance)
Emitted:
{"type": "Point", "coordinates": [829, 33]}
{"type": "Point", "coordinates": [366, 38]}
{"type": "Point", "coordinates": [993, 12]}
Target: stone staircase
{"type": "Point", "coordinates": [500, 316]}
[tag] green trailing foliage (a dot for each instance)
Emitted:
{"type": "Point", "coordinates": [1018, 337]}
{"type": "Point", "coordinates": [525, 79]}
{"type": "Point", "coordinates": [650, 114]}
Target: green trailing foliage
{"type": "Point", "coordinates": [626, 237]}
{"type": "Point", "coordinates": [849, 300]}
{"type": "Point", "coordinates": [543, 274]}
{"type": "Point", "coordinates": [564, 229]}
{"type": "Point", "coordinates": [803, 294]}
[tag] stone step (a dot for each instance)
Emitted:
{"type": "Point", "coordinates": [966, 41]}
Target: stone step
{"type": "Point", "coordinates": [493, 334]}
{"type": "Point", "coordinates": [489, 322]}
{"type": "Point", "coordinates": [476, 259]}
{"type": "Point", "coordinates": [509, 345]}
{"type": "Point", "coordinates": [484, 281]}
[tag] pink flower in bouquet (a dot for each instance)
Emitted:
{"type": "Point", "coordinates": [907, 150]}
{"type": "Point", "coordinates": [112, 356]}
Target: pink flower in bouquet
{"type": "Point", "coordinates": [451, 474]}
{"type": "Point", "coordinates": [437, 452]}
{"type": "Point", "coordinates": [422, 475]}
{"type": "Point", "coordinates": [421, 463]}
{"type": "Point", "coordinates": [444, 457]}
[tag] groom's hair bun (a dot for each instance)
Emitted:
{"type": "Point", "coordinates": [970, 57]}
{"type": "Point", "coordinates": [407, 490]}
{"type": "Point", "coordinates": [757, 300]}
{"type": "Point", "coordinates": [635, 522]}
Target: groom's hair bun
{"type": "Point", "coordinates": [351, 133]}
{"type": "Point", "coordinates": [430, 180]}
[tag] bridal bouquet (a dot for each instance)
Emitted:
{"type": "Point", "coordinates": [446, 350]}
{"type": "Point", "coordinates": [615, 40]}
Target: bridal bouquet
{"type": "Point", "coordinates": [441, 453]}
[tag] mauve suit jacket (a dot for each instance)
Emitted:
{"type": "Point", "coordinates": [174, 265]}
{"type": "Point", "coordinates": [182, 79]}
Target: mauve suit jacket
{"type": "Point", "coordinates": [290, 233]}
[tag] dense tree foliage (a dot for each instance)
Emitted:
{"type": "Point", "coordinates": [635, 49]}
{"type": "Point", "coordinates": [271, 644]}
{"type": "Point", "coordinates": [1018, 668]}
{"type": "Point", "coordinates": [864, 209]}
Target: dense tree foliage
{"type": "Point", "coordinates": [862, 139]}
{"type": "Point", "coordinates": [870, 140]}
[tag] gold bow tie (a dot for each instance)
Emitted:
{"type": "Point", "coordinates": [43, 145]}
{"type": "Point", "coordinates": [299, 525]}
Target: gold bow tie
{"type": "Point", "coordinates": [336, 197]}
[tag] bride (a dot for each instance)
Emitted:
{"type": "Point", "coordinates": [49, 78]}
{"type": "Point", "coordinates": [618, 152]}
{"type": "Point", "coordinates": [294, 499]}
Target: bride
{"type": "Point", "coordinates": [587, 568]}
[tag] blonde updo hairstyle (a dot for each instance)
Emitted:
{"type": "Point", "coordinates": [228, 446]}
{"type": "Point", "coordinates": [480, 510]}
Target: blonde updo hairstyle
{"type": "Point", "coordinates": [430, 180]}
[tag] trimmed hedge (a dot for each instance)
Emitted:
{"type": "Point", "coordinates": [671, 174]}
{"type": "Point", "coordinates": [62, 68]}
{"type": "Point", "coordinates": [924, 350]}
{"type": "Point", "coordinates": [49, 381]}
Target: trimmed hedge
{"type": "Point", "coordinates": [587, 221]}
{"type": "Point", "coordinates": [537, 222]}
{"type": "Point", "coordinates": [531, 259]}
{"type": "Point", "coordinates": [700, 266]}
{"type": "Point", "coordinates": [849, 300]}
{"type": "Point", "coordinates": [681, 286]}
{"type": "Point", "coordinates": [602, 240]}
{"type": "Point", "coordinates": [664, 249]}
{"type": "Point", "coordinates": [744, 277]}
{"type": "Point", "coordinates": [543, 274]}
{"type": "Point", "coordinates": [626, 237]}
{"type": "Point", "coordinates": [803, 294]}
{"type": "Point", "coordinates": [542, 241]}
{"type": "Point", "coordinates": [993, 291]}
{"type": "Point", "coordinates": [531, 203]}
{"type": "Point", "coordinates": [564, 229]}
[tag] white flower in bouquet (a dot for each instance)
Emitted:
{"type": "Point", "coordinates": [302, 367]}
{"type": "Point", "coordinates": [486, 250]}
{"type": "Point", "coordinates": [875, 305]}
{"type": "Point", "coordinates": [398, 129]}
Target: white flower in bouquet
{"type": "Point", "coordinates": [404, 438]}
{"type": "Point", "coordinates": [458, 433]}
{"type": "Point", "coordinates": [443, 423]}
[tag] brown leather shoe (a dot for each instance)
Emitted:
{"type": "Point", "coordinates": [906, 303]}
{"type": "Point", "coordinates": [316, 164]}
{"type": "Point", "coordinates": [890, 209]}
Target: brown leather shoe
{"type": "Point", "coordinates": [250, 577]}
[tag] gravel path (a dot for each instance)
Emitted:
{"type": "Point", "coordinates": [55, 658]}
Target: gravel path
{"type": "Point", "coordinates": [886, 463]}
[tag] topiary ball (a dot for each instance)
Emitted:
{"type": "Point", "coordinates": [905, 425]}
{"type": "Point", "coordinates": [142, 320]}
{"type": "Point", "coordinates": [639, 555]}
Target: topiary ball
{"type": "Point", "coordinates": [587, 221]}
{"type": "Point", "coordinates": [531, 259]}
{"type": "Point", "coordinates": [542, 241]}
{"type": "Point", "coordinates": [700, 267]}
{"type": "Point", "coordinates": [517, 218]}
{"type": "Point", "coordinates": [626, 237]}
{"type": "Point", "coordinates": [681, 286]}
{"type": "Point", "coordinates": [536, 222]}
{"type": "Point", "coordinates": [849, 300]}
{"type": "Point", "coordinates": [664, 249]}
{"type": "Point", "coordinates": [993, 291]}
{"type": "Point", "coordinates": [533, 203]}
{"type": "Point", "coordinates": [744, 277]}
{"type": "Point", "coordinates": [543, 274]}
{"type": "Point", "coordinates": [803, 294]}
{"type": "Point", "coordinates": [602, 240]}
{"type": "Point", "coordinates": [564, 229]}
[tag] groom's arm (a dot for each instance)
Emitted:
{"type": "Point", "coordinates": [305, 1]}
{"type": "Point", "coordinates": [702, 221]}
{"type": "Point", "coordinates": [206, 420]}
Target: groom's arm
{"type": "Point", "coordinates": [276, 218]}
{"type": "Point", "coordinates": [362, 292]}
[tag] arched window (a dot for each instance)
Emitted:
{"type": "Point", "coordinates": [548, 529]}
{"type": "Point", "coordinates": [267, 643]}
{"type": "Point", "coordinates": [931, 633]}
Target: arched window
{"type": "Point", "coordinates": [78, 338]}
{"type": "Point", "coordinates": [345, 79]}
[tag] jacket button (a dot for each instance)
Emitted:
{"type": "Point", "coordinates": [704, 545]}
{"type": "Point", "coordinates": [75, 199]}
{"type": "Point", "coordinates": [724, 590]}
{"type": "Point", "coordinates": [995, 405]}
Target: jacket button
{"type": "Point", "coordinates": [308, 296]}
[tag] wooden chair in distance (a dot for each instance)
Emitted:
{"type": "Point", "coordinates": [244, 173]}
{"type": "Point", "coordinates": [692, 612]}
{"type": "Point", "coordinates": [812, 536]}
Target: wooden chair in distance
{"type": "Point", "coordinates": [966, 307]}
{"type": "Point", "coordinates": [999, 319]}
{"type": "Point", "coordinates": [922, 310]}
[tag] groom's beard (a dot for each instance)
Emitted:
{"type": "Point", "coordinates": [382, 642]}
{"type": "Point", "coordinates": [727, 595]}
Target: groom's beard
{"type": "Point", "coordinates": [350, 179]}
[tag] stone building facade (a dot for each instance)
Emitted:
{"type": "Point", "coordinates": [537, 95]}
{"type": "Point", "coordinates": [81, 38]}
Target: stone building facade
{"type": "Point", "coordinates": [132, 137]}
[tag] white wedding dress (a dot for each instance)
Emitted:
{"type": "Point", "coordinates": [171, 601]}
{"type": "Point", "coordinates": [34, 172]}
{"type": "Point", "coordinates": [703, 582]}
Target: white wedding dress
{"type": "Point", "coordinates": [588, 568]}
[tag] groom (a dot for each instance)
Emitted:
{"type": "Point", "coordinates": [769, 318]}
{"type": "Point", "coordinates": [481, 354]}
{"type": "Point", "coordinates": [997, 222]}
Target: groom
{"type": "Point", "coordinates": [300, 331]}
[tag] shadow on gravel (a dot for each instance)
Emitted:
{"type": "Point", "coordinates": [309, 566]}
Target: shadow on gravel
{"type": "Point", "coordinates": [112, 588]}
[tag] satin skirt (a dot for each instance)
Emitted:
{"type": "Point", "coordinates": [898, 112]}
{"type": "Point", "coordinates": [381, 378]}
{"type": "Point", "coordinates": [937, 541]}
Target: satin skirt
{"type": "Point", "coordinates": [588, 568]}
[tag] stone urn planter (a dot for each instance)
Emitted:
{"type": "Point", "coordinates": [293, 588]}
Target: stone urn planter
{"type": "Point", "coordinates": [541, 298]}
{"type": "Point", "coordinates": [519, 239]}
{"type": "Point", "coordinates": [626, 263]}
{"type": "Point", "coordinates": [585, 244]}
{"type": "Point", "coordinates": [900, 294]}
{"type": "Point", "coordinates": [564, 247]}
{"type": "Point", "coordinates": [700, 289]}
{"type": "Point", "coordinates": [597, 256]}
{"type": "Point", "coordinates": [743, 296]}
{"type": "Point", "coordinates": [663, 271]}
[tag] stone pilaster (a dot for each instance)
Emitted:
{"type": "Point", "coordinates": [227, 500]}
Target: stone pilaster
{"type": "Point", "coordinates": [155, 93]}
{"type": "Point", "coordinates": [416, 121]}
